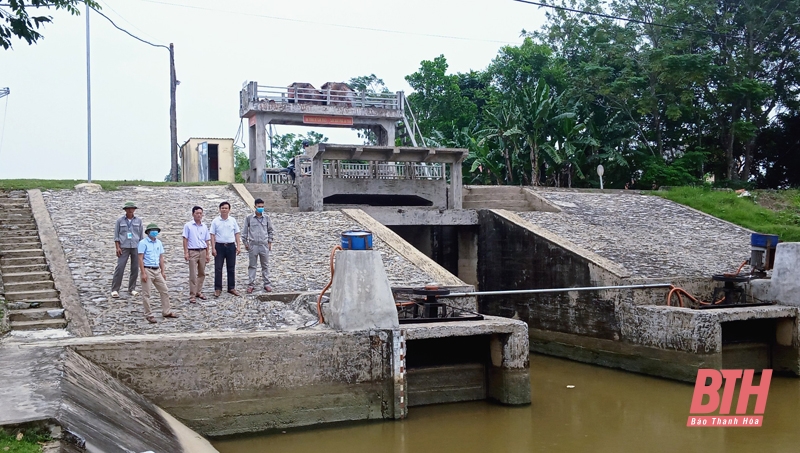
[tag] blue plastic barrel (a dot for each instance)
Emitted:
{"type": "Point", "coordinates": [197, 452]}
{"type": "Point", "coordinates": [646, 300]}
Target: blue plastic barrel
{"type": "Point", "coordinates": [357, 240]}
{"type": "Point", "coordinates": [764, 240]}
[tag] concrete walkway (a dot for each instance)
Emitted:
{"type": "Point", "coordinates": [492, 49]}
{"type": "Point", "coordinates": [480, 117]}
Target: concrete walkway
{"type": "Point", "coordinates": [299, 260]}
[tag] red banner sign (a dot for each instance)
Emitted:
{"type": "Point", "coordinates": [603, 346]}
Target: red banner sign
{"type": "Point", "coordinates": [328, 120]}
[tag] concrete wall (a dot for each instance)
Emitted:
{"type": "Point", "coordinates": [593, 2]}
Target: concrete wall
{"type": "Point", "coordinates": [468, 255]}
{"type": "Point", "coordinates": [220, 385]}
{"type": "Point", "coordinates": [454, 247]}
{"type": "Point", "coordinates": [415, 216]}
{"type": "Point", "coordinates": [511, 256]}
{"type": "Point", "coordinates": [190, 157]}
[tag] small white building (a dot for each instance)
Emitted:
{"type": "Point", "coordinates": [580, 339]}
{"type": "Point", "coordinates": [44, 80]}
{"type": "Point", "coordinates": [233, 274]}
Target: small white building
{"type": "Point", "coordinates": [207, 159]}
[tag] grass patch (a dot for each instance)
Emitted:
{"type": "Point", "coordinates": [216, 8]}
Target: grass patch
{"type": "Point", "coordinates": [769, 212]}
{"type": "Point", "coordinates": [28, 444]}
{"type": "Point", "coordinates": [45, 184]}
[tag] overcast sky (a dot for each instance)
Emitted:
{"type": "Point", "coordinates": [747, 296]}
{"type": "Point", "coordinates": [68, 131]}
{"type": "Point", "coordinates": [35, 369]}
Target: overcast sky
{"type": "Point", "coordinates": [218, 46]}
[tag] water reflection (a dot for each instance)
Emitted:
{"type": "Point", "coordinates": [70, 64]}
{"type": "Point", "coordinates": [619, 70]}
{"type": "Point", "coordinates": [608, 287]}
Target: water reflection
{"type": "Point", "coordinates": [607, 411]}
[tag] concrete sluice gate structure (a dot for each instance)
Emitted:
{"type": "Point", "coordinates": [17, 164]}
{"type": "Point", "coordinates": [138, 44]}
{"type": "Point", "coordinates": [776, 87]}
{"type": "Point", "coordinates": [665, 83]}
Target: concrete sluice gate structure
{"type": "Point", "coordinates": [233, 365]}
{"type": "Point", "coordinates": [110, 381]}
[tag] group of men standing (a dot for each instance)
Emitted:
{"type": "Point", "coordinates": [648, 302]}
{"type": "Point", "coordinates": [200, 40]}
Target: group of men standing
{"type": "Point", "coordinates": [140, 245]}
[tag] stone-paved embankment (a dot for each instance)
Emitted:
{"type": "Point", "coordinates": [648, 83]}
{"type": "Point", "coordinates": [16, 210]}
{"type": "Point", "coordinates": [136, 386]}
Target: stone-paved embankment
{"type": "Point", "coordinates": [299, 260]}
{"type": "Point", "coordinates": [648, 235]}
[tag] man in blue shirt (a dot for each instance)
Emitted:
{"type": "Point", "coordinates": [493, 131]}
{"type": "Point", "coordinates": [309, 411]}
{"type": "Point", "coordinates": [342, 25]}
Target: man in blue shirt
{"type": "Point", "coordinates": [151, 265]}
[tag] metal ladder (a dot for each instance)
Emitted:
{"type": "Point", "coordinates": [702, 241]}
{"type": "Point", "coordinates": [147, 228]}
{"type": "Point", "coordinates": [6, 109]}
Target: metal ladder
{"type": "Point", "coordinates": [412, 128]}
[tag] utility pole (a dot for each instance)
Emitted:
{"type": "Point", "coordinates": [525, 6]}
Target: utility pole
{"type": "Point", "coordinates": [88, 103]}
{"type": "Point", "coordinates": [173, 120]}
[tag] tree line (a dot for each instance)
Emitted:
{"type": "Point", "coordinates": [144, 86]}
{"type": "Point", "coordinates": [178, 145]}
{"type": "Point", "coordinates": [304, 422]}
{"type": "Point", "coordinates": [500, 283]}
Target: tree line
{"type": "Point", "coordinates": [685, 92]}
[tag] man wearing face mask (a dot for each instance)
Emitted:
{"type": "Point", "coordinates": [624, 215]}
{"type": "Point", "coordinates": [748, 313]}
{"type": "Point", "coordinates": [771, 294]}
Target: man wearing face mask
{"type": "Point", "coordinates": [151, 265]}
{"type": "Point", "coordinates": [257, 236]}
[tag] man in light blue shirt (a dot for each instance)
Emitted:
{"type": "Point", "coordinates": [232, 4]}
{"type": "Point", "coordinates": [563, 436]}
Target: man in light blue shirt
{"type": "Point", "coordinates": [151, 265]}
{"type": "Point", "coordinates": [225, 239]}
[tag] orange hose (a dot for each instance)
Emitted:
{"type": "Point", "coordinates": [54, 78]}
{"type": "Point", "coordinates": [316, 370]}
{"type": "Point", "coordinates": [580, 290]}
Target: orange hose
{"type": "Point", "coordinates": [319, 299]}
{"type": "Point", "coordinates": [680, 292]}
{"type": "Point", "coordinates": [741, 266]}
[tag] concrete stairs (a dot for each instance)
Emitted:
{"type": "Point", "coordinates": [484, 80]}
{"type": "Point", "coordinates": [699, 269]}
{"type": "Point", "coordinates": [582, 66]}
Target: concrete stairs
{"type": "Point", "coordinates": [496, 197]}
{"type": "Point", "coordinates": [277, 197]}
{"type": "Point", "coordinates": [31, 297]}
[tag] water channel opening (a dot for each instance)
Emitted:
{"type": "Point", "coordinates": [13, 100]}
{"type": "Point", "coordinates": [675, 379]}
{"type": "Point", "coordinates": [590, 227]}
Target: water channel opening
{"type": "Point", "coordinates": [377, 200]}
{"type": "Point", "coordinates": [444, 370]}
{"type": "Point", "coordinates": [748, 344]}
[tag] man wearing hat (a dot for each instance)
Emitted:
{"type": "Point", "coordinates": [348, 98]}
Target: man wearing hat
{"type": "Point", "coordinates": [151, 262]}
{"type": "Point", "coordinates": [127, 234]}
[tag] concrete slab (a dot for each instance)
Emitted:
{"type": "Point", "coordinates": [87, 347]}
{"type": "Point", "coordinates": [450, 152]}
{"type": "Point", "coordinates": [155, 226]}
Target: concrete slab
{"type": "Point", "coordinates": [30, 381]}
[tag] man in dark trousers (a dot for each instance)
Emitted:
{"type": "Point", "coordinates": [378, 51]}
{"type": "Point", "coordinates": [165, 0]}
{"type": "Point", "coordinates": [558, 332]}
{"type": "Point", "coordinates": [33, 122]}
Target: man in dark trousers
{"type": "Point", "coordinates": [225, 240]}
{"type": "Point", "coordinates": [257, 236]}
{"type": "Point", "coordinates": [127, 234]}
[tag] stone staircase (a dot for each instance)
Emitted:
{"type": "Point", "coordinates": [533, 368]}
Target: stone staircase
{"type": "Point", "coordinates": [31, 297]}
{"type": "Point", "coordinates": [511, 198]}
{"type": "Point", "coordinates": [277, 197]}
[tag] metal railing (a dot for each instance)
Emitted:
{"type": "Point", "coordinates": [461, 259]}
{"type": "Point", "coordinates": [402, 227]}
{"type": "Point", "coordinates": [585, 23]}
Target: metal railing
{"type": "Point", "coordinates": [312, 96]}
{"type": "Point", "coordinates": [271, 177]}
{"type": "Point", "coordinates": [358, 170]}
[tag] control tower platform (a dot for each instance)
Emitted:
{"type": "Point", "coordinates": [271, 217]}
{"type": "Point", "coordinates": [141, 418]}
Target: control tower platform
{"type": "Point", "coordinates": [300, 104]}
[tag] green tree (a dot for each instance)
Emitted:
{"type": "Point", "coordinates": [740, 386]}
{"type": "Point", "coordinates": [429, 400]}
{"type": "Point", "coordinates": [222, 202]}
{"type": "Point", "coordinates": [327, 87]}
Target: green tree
{"type": "Point", "coordinates": [437, 100]}
{"type": "Point", "coordinates": [15, 20]}
{"type": "Point", "coordinates": [287, 146]}
{"type": "Point", "coordinates": [369, 85]}
{"type": "Point", "coordinates": [241, 164]}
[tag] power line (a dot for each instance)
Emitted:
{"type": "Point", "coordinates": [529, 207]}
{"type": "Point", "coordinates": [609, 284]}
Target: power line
{"type": "Point", "coordinates": [626, 19]}
{"type": "Point", "coordinates": [107, 5]}
{"type": "Point", "coordinates": [303, 21]}
{"type": "Point", "coordinates": [127, 32]}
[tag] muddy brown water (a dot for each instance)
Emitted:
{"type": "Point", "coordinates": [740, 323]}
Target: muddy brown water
{"type": "Point", "coordinates": [607, 411]}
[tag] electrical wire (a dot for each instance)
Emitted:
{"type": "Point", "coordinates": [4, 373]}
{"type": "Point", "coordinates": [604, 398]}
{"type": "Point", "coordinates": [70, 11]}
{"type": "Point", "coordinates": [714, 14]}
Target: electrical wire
{"type": "Point", "coordinates": [105, 3]}
{"type": "Point", "coordinates": [127, 32]}
{"type": "Point", "coordinates": [625, 19]}
{"type": "Point", "coordinates": [240, 135]}
{"type": "Point", "coordinates": [303, 21]}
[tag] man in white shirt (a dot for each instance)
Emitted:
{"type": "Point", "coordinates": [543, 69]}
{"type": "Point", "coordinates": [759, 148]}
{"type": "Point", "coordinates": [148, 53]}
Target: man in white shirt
{"type": "Point", "coordinates": [225, 240]}
{"type": "Point", "coordinates": [197, 251]}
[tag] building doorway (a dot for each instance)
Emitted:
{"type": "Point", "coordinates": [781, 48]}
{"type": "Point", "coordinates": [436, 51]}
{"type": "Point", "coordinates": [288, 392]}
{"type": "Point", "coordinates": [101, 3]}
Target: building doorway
{"type": "Point", "coordinates": [213, 162]}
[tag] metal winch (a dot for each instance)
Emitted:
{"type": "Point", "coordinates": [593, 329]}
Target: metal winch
{"type": "Point", "coordinates": [414, 310]}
